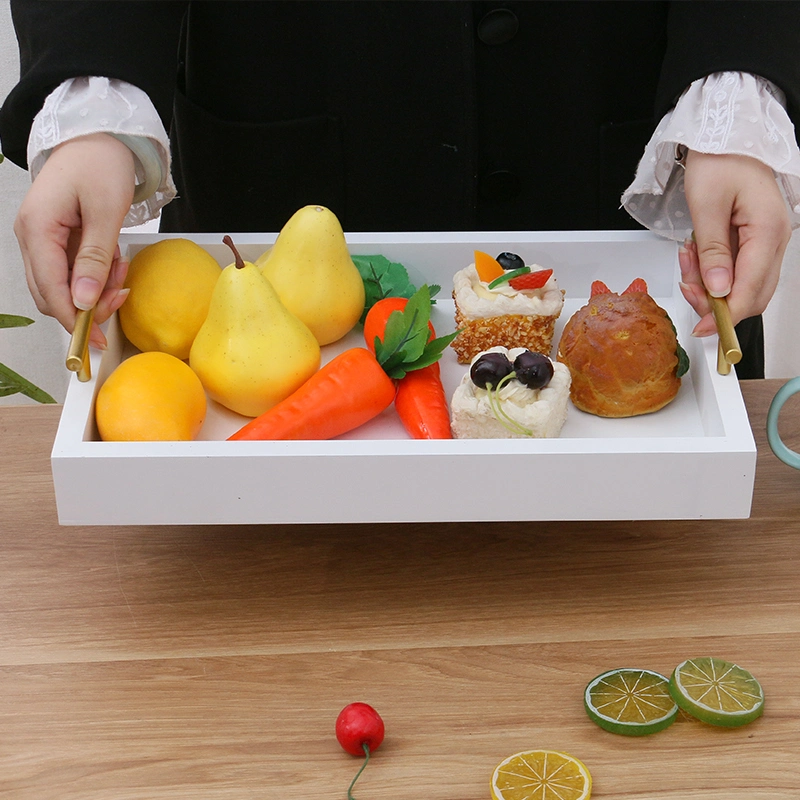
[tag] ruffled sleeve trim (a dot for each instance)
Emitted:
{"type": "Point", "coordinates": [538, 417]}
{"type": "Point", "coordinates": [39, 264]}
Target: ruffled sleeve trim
{"type": "Point", "coordinates": [81, 106]}
{"type": "Point", "coordinates": [727, 112]}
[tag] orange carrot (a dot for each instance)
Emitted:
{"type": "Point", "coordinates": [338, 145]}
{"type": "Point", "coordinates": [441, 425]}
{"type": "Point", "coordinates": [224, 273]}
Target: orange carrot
{"type": "Point", "coordinates": [348, 391]}
{"type": "Point", "coordinates": [422, 405]}
{"type": "Point", "coordinates": [420, 402]}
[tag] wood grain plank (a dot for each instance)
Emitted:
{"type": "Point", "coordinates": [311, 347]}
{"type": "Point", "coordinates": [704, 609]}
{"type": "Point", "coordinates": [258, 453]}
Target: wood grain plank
{"type": "Point", "coordinates": [210, 662]}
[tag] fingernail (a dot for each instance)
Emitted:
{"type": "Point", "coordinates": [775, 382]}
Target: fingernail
{"type": "Point", "coordinates": [85, 292]}
{"type": "Point", "coordinates": [98, 345]}
{"type": "Point", "coordinates": [717, 281]}
{"type": "Point", "coordinates": [702, 329]}
{"type": "Point", "coordinates": [120, 268]}
{"type": "Point", "coordinates": [119, 299]}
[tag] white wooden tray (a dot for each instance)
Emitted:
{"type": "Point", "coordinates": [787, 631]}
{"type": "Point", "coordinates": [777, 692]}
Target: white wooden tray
{"type": "Point", "coordinates": [694, 459]}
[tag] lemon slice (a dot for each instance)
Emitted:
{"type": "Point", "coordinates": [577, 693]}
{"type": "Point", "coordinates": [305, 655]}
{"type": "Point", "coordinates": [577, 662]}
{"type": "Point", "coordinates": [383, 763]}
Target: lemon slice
{"type": "Point", "coordinates": [717, 692]}
{"type": "Point", "coordinates": [541, 775]}
{"type": "Point", "coordinates": [632, 702]}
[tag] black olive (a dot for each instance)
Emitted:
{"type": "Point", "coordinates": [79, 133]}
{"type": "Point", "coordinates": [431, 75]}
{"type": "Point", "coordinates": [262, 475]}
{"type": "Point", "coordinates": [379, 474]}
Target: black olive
{"type": "Point", "coordinates": [510, 261]}
{"type": "Point", "coordinates": [534, 370]}
{"type": "Point", "coordinates": [490, 368]}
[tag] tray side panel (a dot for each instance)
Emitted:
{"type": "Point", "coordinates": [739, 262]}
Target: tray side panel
{"type": "Point", "coordinates": [410, 488]}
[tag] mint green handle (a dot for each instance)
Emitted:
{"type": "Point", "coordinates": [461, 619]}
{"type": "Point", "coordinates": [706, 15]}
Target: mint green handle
{"type": "Point", "coordinates": [786, 455]}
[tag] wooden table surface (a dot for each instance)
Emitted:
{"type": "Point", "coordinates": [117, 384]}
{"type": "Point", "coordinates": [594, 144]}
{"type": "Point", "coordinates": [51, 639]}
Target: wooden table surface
{"type": "Point", "coordinates": [211, 662]}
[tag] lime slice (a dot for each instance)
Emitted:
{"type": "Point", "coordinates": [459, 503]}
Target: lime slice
{"type": "Point", "coordinates": [541, 775]}
{"type": "Point", "coordinates": [633, 702]}
{"type": "Point", "coordinates": [717, 692]}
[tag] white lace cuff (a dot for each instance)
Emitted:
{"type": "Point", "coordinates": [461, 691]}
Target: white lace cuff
{"type": "Point", "coordinates": [727, 112]}
{"type": "Point", "coordinates": [80, 106]}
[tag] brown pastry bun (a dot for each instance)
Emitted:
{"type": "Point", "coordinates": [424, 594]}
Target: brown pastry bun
{"type": "Point", "coordinates": [621, 351]}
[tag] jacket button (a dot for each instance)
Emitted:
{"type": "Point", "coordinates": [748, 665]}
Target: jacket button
{"type": "Point", "coordinates": [498, 26]}
{"type": "Point", "coordinates": [501, 184]}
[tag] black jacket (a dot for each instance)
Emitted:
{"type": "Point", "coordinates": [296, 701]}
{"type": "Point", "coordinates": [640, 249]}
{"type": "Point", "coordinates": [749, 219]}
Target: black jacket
{"type": "Point", "coordinates": [401, 115]}
{"type": "Point", "coordinates": [422, 115]}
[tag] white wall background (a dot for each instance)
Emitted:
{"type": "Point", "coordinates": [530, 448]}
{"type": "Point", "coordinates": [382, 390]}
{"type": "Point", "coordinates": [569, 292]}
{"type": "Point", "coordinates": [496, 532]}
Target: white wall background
{"type": "Point", "coordinates": [37, 352]}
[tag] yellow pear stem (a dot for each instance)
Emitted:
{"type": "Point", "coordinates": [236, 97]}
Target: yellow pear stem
{"type": "Point", "coordinates": [237, 258]}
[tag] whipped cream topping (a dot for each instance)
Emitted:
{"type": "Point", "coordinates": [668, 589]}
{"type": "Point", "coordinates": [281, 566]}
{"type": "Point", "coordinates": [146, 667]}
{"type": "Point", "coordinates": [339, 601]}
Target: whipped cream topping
{"type": "Point", "coordinates": [476, 300]}
{"type": "Point", "coordinates": [541, 411]}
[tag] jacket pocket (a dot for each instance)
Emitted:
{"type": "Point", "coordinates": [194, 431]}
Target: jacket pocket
{"type": "Point", "coordinates": [242, 176]}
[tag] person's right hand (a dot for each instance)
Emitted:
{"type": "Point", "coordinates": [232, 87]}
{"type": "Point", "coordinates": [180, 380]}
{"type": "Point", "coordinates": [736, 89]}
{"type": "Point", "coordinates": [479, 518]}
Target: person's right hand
{"type": "Point", "coordinates": [68, 227]}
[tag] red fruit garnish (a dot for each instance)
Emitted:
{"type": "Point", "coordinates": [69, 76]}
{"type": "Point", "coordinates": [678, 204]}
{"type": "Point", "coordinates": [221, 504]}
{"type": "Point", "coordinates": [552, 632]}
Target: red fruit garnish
{"type": "Point", "coordinates": [598, 287]}
{"type": "Point", "coordinates": [531, 280]}
{"type": "Point", "coordinates": [359, 729]}
{"type": "Point", "coordinates": [637, 285]}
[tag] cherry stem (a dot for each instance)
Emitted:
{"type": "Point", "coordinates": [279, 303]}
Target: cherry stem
{"type": "Point", "coordinates": [358, 774]}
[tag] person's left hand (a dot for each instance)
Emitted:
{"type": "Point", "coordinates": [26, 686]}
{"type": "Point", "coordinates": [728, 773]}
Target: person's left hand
{"type": "Point", "coordinates": [741, 227]}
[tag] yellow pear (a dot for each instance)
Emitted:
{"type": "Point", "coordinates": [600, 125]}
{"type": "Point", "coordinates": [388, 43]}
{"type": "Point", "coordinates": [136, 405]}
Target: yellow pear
{"type": "Point", "coordinates": [310, 267]}
{"type": "Point", "coordinates": [261, 260]}
{"type": "Point", "coordinates": [251, 352]}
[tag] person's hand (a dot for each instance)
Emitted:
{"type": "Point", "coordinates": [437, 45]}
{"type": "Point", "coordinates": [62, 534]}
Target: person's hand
{"type": "Point", "coordinates": [741, 227]}
{"type": "Point", "coordinates": [68, 228]}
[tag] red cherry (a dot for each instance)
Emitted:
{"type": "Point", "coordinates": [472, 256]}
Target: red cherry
{"type": "Point", "coordinates": [357, 725]}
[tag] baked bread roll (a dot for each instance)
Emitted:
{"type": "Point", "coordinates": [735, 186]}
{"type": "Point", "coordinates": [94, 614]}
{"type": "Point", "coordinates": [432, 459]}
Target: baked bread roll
{"type": "Point", "coordinates": [622, 353]}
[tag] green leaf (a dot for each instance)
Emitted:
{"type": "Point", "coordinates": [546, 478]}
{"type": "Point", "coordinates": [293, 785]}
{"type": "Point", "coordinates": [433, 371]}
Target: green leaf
{"type": "Point", "coordinates": [13, 383]}
{"type": "Point", "coordinates": [382, 278]}
{"type": "Point", "coordinates": [432, 353]}
{"type": "Point", "coordinates": [406, 333]}
{"type": "Point", "coordinates": [14, 321]}
{"type": "Point", "coordinates": [683, 361]}
{"type": "Point", "coordinates": [683, 356]}
{"type": "Point", "coordinates": [405, 346]}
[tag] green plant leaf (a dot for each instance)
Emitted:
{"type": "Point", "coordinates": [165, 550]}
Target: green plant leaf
{"type": "Point", "coordinates": [432, 353]}
{"type": "Point", "coordinates": [683, 357]}
{"type": "Point", "coordinates": [384, 278]}
{"type": "Point", "coordinates": [14, 321]}
{"type": "Point", "coordinates": [13, 383]}
{"type": "Point", "coordinates": [405, 346]}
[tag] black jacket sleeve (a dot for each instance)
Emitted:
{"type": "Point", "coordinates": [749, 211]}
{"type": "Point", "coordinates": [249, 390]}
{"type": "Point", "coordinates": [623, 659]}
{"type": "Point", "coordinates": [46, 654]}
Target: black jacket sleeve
{"type": "Point", "coordinates": [756, 37]}
{"type": "Point", "coordinates": [134, 41]}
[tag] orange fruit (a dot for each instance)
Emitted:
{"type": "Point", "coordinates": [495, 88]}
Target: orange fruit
{"type": "Point", "coordinates": [541, 775]}
{"type": "Point", "coordinates": [171, 282]}
{"type": "Point", "coordinates": [150, 397]}
{"type": "Point", "coordinates": [488, 268]}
